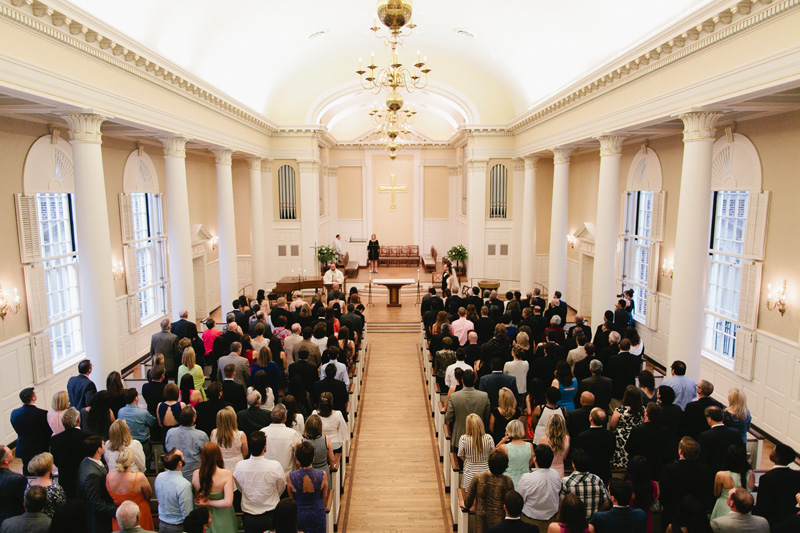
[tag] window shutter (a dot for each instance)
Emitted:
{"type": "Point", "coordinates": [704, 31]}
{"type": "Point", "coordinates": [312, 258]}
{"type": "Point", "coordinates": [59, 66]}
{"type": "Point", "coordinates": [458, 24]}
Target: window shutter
{"type": "Point", "coordinates": [657, 221]}
{"type": "Point", "coordinates": [749, 294]}
{"type": "Point", "coordinates": [36, 291]}
{"type": "Point", "coordinates": [134, 315]}
{"type": "Point", "coordinates": [652, 267]}
{"type": "Point", "coordinates": [756, 236]}
{"type": "Point", "coordinates": [40, 357]}
{"type": "Point", "coordinates": [126, 218]}
{"type": "Point", "coordinates": [744, 353]}
{"type": "Point", "coordinates": [131, 270]}
{"type": "Point", "coordinates": [28, 228]}
{"type": "Point", "coordinates": [158, 214]}
{"type": "Point", "coordinates": [161, 256]}
{"type": "Point", "coordinates": [621, 261]}
{"type": "Point", "coordinates": [651, 317]}
{"type": "Point", "coordinates": [623, 211]}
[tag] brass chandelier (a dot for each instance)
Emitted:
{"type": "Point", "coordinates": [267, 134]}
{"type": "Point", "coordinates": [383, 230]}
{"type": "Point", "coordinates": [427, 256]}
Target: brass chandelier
{"type": "Point", "coordinates": [392, 122]}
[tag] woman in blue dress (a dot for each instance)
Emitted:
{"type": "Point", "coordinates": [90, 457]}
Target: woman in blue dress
{"type": "Point", "coordinates": [567, 385]}
{"type": "Point", "coordinates": [309, 488]}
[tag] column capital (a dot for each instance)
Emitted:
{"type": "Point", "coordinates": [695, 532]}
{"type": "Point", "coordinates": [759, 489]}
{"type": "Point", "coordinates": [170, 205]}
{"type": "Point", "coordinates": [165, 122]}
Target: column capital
{"type": "Point", "coordinates": [266, 164]}
{"type": "Point", "coordinates": [610, 144]}
{"type": "Point", "coordinates": [519, 163]}
{"type": "Point", "coordinates": [699, 125]}
{"type": "Point", "coordinates": [254, 163]}
{"type": "Point", "coordinates": [85, 127]}
{"type": "Point", "coordinates": [561, 154]}
{"type": "Point", "coordinates": [223, 156]}
{"type": "Point", "coordinates": [531, 162]}
{"type": "Point", "coordinates": [174, 146]}
{"type": "Point", "coordinates": [331, 171]}
{"type": "Point", "coordinates": [477, 165]}
{"type": "Point", "coordinates": [307, 165]}
{"type": "Point", "coordinates": [453, 170]}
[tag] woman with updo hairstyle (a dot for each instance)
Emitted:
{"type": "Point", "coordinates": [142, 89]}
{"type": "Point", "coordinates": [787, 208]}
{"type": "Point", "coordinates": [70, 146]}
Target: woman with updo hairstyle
{"type": "Point", "coordinates": [119, 438]}
{"type": "Point", "coordinates": [168, 412]}
{"type": "Point", "coordinates": [488, 492]}
{"type": "Point", "coordinates": [41, 466]}
{"type": "Point", "coordinates": [519, 452]}
{"type": "Point", "coordinates": [213, 487]}
{"type": "Point", "coordinates": [333, 424]}
{"type": "Point", "coordinates": [124, 485]}
{"type": "Point", "coordinates": [571, 517]}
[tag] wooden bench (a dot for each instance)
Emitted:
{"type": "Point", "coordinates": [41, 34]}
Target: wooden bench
{"type": "Point", "coordinates": [429, 260]}
{"type": "Point", "coordinates": [350, 267]}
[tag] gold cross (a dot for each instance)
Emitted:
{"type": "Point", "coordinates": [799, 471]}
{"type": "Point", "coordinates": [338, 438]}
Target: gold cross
{"type": "Point", "coordinates": [393, 189]}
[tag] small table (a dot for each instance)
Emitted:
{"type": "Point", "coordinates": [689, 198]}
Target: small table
{"type": "Point", "coordinates": [394, 289]}
{"type": "Point", "coordinates": [290, 284]}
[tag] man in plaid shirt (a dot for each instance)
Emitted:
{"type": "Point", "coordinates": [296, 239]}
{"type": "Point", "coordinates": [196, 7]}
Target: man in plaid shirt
{"type": "Point", "coordinates": [587, 486]}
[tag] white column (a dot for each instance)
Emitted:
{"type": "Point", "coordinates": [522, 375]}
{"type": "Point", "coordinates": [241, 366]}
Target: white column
{"type": "Point", "coordinates": [181, 272]}
{"type": "Point", "coordinates": [95, 282]}
{"type": "Point", "coordinates": [557, 275]}
{"type": "Point", "coordinates": [258, 254]}
{"type": "Point", "coordinates": [691, 242]}
{"type": "Point", "coordinates": [309, 215]}
{"type": "Point", "coordinates": [604, 287]}
{"type": "Point", "coordinates": [476, 219]}
{"type": "Point", "coordinates": [527, 259]}
{"type": "Point", "coordinates": [226, 222]}
{"type": "Point", "coordinates": [268, 214]}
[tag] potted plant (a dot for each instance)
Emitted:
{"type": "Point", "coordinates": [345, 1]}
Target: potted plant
{"type": "Point", "coordinates": [326, 255]}
{"type": "Point", "coordinates": [458, 254]}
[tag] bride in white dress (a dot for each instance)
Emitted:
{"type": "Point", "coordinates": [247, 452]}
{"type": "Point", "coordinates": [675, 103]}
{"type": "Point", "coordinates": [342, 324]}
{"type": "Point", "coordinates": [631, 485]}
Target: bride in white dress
{"type": "Point", "coordinates": [452, 281]}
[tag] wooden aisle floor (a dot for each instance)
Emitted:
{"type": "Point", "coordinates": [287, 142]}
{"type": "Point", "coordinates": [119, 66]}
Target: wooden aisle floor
{"type": "Point", "coordinates": [395, 482]}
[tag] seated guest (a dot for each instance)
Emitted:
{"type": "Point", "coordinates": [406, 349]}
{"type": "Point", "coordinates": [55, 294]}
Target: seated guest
{"type": "Point", "coordinates": [12, 487]}
{"type": "Point", "coordinates": [282, 440]}
{"type": "Point", "coordinates": [620, 517]}
{"type": "Point", "coordinates": [207, 410]}
{"type": "Point", "coordinates": [587, 486]}
{"type": "Point", "coordinates": [740, 519]}
{"type": "Point", "coordinates": [735, 473]}
{"type": "Point", "coordinates": [261, 482]}
{"type": "Point", "coordinates": [487, 492]}
{"type": "Point", "coordinates": [579, 418]}
{"type": "Point", "coordinates": [30, 424]}
{"type": "Point", "coordinates": [92, 486]}
{"type": "Point", "coordinates": [58, 406]}
{"type": "Point", "coordinates": [254, 417]}
{"type": "Point", "coordinates": [685, 389]}
{"type": "Point", "coordinates": [119, 438]}
{"type": "Point", "coordinates": [41, 466]}
{"type": "Point", "coordinates": [232, 391]}
{"type": "Point", "coordinates": [571, 517]}
{"type": "Point", "coordinates": [714, 442]}
{"type": "Point", "coordinates": [540, 489]}
{"type": "Point", "coordinates": [33, 520]}
{"type": "Point", "coordinates": [187, 439]}
{"type": "Point", "coordinates": [67, 450]}
{"type": "Point", "coordinates": [512, 504]}
{"type": "Point", "coordinates": [169, 411]}
{"type": "Point", "coordinates": [686, 476]}
{"type": "Point", "coordinates": [174, 494]}
{"type": "Point", "coordinates": [777, 488]}
{"type": "Point", "coordinates": [128, 516]}
{"type": "Point", "coordinates": [599, 443]}
{"type": "Point", "coordinates": [645, 490]}
{"type": "Point", "coordinates": [650, 439]}
{"type": "Point", "coordinates": [694, 417]}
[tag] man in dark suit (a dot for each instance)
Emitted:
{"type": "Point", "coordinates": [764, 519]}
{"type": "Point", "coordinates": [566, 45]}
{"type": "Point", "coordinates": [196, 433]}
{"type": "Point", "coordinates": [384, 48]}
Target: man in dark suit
{"type": "Point", "coordinates": [80, 388]}
{"type": "Point", "coordinates": [183, 328]}
{"type": "Point", "coordinates": [671, 418]}
{"type": "Point", "coordinates": [621, 317]}
{"type": "Point", "coordinates": [694, 416]}
{"type": "Point", "coordinates": [537, 300]}
{"type": "Point", "coordinates": [580, 323]}
{"type": "Point", "coordinates": [166, 344]}
{"type": "Point", "coordinates": [611, 350]}
{"type": "Point", "coordinates": [599, 443]}
{"type": "Point", "coordinates": [222, 345]}
{"type": "Point", "coordinates": [581, 370]}
{"type": "Point", "coordinates": [254, 418]}
{"type": "Point", "coordinates": [33, 520]}
{"type": "Point", "coordinates": [207, 410]}
{"type": "Point", "coordinates": [650, 440]}
{"type": "Point", "coordinates": [623, 369]}
{"type": "Point", "coordinates": [92, 486]}
{"type": "Point", "coordinates": [598, 385]}
{"type": "Point", "coordinates": [474, 299]}
{"type": "Point", "coordinates": [600, 339]}
{"type": "Point", "coordinates": [238, 313]}
{"type": "Point", "coordinates": [683, 477]}
{"type": "Point", "coordinates": [12, 487]}
{"type": "Point", "coordinates": [30, 424]}
{"type": "Point", "coordinates": [427, 301]}
{"type": "Point", "coordinates": [472, 349]}
{"type": "Point", "coordinates": [714, 442]}
{"type": "Point", "coordinates": [544, 368]}
{"type": "Point", "coordinates": [579, 418]}
{"type": "Point", "coordinates": [260, 319]}
{"type": "Point", "coordinates": [436, 342]}
{"type": "Point", "coordinates": [777, 488]}
{"type": "Point", "coordinates": [621, 517]}
{"type": "Point", "coordinates": [153, 390]}
{"type": "Point", "coordinates": [67, 450]}
{"type": "Point", "coordinates": [336, 387]}
{"type": "Point", "coordinates": [355, 320]}
{"type": "Point", "coordinates": [492, 383]}
{"type": "Point", "coordinates": [305, 371]}
{"type": "Point", "coordinates": [512, 504]}
{"type": "Point", "coordinates": [484, 326]}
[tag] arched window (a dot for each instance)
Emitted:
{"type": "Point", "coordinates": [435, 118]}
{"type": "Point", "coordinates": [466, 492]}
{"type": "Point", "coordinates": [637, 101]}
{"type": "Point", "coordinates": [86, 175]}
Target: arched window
{"type": "Point", "coordinates": [287, 199]}
{"type": "Point", "coordinates": [498, 188]}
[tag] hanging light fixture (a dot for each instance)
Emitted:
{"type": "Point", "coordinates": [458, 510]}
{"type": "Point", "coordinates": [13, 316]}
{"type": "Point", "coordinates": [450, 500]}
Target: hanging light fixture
{"type": "Point", "coordinates": [392, 122]}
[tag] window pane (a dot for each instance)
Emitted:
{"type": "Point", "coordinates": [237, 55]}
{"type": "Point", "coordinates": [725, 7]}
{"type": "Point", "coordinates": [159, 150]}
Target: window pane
{"type": "Point", "coordinates": [720, 335]}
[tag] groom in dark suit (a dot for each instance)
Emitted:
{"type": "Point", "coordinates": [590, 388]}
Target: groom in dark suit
{"type": "Point", "coordinates": [92, 486]}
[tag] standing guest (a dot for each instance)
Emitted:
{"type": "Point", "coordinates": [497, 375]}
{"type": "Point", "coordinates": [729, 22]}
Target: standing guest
{"type": "Point", "coordinates": [686, 476]}
{"type": "Point", "coordinates": [254, 417]}
{"type": "Point", "coordinates": [97, 416]}
{"type": "Point", "coordinates": [450, 373]}
{"type": "Point", "coordinates": [41, 466]}
{"type": "Point", "coordinates": [241, 365]}
{"type": "Point", "coordinates": [261, 482]}
{"type": "Point", "coordinates": [115, 389]}
{"type": "Point", "coordinates": [567, 385]}
{"type": "Point", "coordinates": [694, 417]}
{"type": "Point", "coordinates": [92, 486]}
{"type": "Point", "coordinates": [714, 442]}
{"type": "Point", "coordinates": [621, 517]}
{"type": "Point", "coordinates": [512, 505]}
{"type": "Point", "coordinates": [647, 384]}
{"type": "Point", "coordinates": [231, 441]}
{"type": "Point", "coordinates": [579, 418]}
{"type": "Point", "coordinates": [776, 488]}
{"type": "Point", "coordinates": [232, 392]}
{"type": "Point", "coordinates": [261, 385]}
{"type": "Point", "coordinates": [58, 406]}
{"type": "Point", "coordinates": [518, 367]}
{"type": "Point", "coordinates": [30, 424]}
{"type": "Point", "coordinates": [373, 253]}
{"type": "Point", "coordinates": [740, 519]}
{"type": "Point", "coordinates": [671, 418]}
{"type": "Point", "coordinates": [626, 417]}
{"type": "Point", "coordinates": [587, 486]}
{"type": "Point", "coordinates": [505, 411]}
{"type": "Point", "coordinates": [335, 387]}
{"type": "Point", "coordinates": [166, 343]}
{"type": "Point", "coordinates": [285, 517]}
{"type": "Point", "coordinates": [341, 370]}
{"type": "Point", "coordinates": [519, 452]}
{"type": "Point", "coordinates": [189, 395]}
{"type": "Point", "coordinates": [462, 326]}
{"type": "Point", "coordinates": [622, 318]}
{"type": "Point", "coordinates": [623, 368]}
{"type": "Point", "coordinates": [207, 410]}
{"type": "Point", "coordinates": [67, 450]}
{"type": "Point", "coordinates": [323, 449]}
{"type": "Point", "coordinates": [442, 360]}
{"type": "Point", "coordinates": [685, 388]}
{"type": "Point", "coordinates": [139, 421]}
{"type": "Point", "coordinates": [174, 494]}
{"type": "Point", "coordinates": [34, 519]}
{"type": "Point", "coordinates": [487, 492]}
{"type": "Point", "coordinates": [651, 440]}
{"type": "Point", "coordinates": [12, 487]}
{"type": "Point", "coordinates": [294, 419]}
{"type": "Point", "coordinates": [637, 344]}
{"type": "Point", "coordinates": [153, 390]}
{"type": "Point", "coordinates": [189, 366]}
{"type": "Point", "coordinates": [198, 521]}
{"type": "Point", "coordinates": [599, 385]}
{"type": "Point", "coordinates": [128, 516]}
{"type": "Point", "coordinates": [119, 439]}
{"type": "Point", "coordinates": [302, 376]}
{"type": "Point", "coordinates": [735, 473]}
{"type": "Point", "coordinates": [309, 488]}
{"type": "Point", "coordinates": [737, 415]}
{"type": "Point", "coordinates": [645, 490]}
{"type": "Point", "coordinates": [222, 345]}
{"type": "Point", "coordinates": [169, 410]}
{"type": "Point", "coordinates": [124, 485]}
{"type": "Point", "coordinates": [213, 486]}
{"type": "Point", "coordinates": [540, 490]}
{"type": "Point", "coordinates": [80, 388]}
{"type": "Point", "coordinates": [314, 353]}
{"type": "Point", "coordinates": [555, 436]}
{"type": "Point", "coordinates": [259, 340]}
{"type": "Point", "coordinates": [265, 362]}
{"type": "Point", "coordinates": [333, 422]}
{"type": "Point", "coordinates": [188, 439]}
{"type": "Point", "coordinates": [578, 353]}
{"type": "Point", "coordinates": [474, 447]}
{"type": "Point", "coordinates": [462, 403]}
{"type": "Point", "coordinates": [599, 443]}
{"type": "Point", "coordinates": [571, 517]}
{"type": "Point", "coordinates": [292, 340]}
{"type": "Point", "coordinates": [209, 336]}
{"type": "Point", "coordinates": [601, 334]}
{"type": "Point", "coordinates": [541, 414]}
{"type": "Point", "coordinates": [496, 380]}
{"type": "Point", "coordinates": [282, 440]}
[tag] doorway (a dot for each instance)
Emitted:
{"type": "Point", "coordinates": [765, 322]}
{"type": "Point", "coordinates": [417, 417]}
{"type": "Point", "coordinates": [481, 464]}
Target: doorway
{"type": "Point", "coordinates": [200, 297]}
{"type": "Point", "coordinates": [587, 270]}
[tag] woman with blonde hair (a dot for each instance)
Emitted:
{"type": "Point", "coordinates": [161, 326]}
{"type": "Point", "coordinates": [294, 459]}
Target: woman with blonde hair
{"type": "Point", "coordinates": [323, 450]}
{"type": "Point", "coordinates": [474, 447]}
{"type": "Point", "coordinates": [119, 438]}
{"type": "Point", "coordinates": [213, 486]}
{"type": "Point", "coordinates": [520, 452]}
{"type": "Point", "coordinates": [58, 406]}
{"type": "Point", "coordinates": [124, 485]}
{"type": "Point", "coordinates": [737, 415]}
{"type": "Point", "coordinates": [505, 412]}
{"type": "Point", "coordinates": [189, 366]}
{"type": "Point", "coordinates": [555, 436]}
{"type": "Point", "coordinates": [41, 466]}
{"type": "Point", "coordinates": [232, 442]}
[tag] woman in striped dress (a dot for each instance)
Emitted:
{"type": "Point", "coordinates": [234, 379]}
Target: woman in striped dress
{"type": "Point", "coordinates": [473, 448]}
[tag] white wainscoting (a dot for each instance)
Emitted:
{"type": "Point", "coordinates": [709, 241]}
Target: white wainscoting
{"type": "Point", "coordinates": [573, 292]}
{"type": "Point", "coordinates": [437, 233]}
{"type": "Point", "coordinates": [212, 284]}
{"type": "Point", "coordinates": [244, 268]}
{"type": "Point", "coordinates": [353, 228]}
{"type": "Point", "coordinates": [462, 231]}
{"type": "Point", "coordinates": [541, 269]}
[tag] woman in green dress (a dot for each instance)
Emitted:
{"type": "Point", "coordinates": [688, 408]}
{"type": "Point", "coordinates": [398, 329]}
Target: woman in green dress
{"type": "Point", "coordinates": [213, 487]}
{"type": "Point", "coordinates": [188, 366]}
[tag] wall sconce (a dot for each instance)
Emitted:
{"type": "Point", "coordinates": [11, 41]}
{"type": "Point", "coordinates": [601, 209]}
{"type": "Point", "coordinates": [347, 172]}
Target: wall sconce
{"type": "Point", "coordinates": [214, 242]}
{"type": "Point", "coordinates": [8, 305]}
{"type": "Point", "coordinates": [667, 270]}
{"type": "Point", "coordinates": [117, 270]}
{"type": "Point", "coordinates": [776, 301]}
{"type": "Point", "coordinates": [571, 240]}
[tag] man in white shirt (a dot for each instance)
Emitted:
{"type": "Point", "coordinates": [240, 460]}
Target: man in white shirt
{"type": "Point", "coordinates": [341, 368]}
{"type": "Point", "coordinates": [282, 440]}
{"type": "Point", "coordinates": [261, 482]}
{"type": "Point", "coordinates": [450, 372]}
{"type": "Point", "coordinates": [337, 245]}
{"type": "Point", "coordinates": [461, 327]}
{"type": "Point", "coordinates": [540, 489]}
{"type": "Point", "coordinates": [333, 275]}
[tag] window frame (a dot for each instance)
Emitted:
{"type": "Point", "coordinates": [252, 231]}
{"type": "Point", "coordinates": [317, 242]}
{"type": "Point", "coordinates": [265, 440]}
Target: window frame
{"type": "Point", "coordinates": [150, 240]}
{"type": "Point", "coordinates": [638, 237]}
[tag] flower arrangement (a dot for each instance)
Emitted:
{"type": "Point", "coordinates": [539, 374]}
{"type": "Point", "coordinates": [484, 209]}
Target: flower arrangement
{"type": "Point", "coordinates": [326, 254]}
{"type": "Point", "coordinates": [458, 254]}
